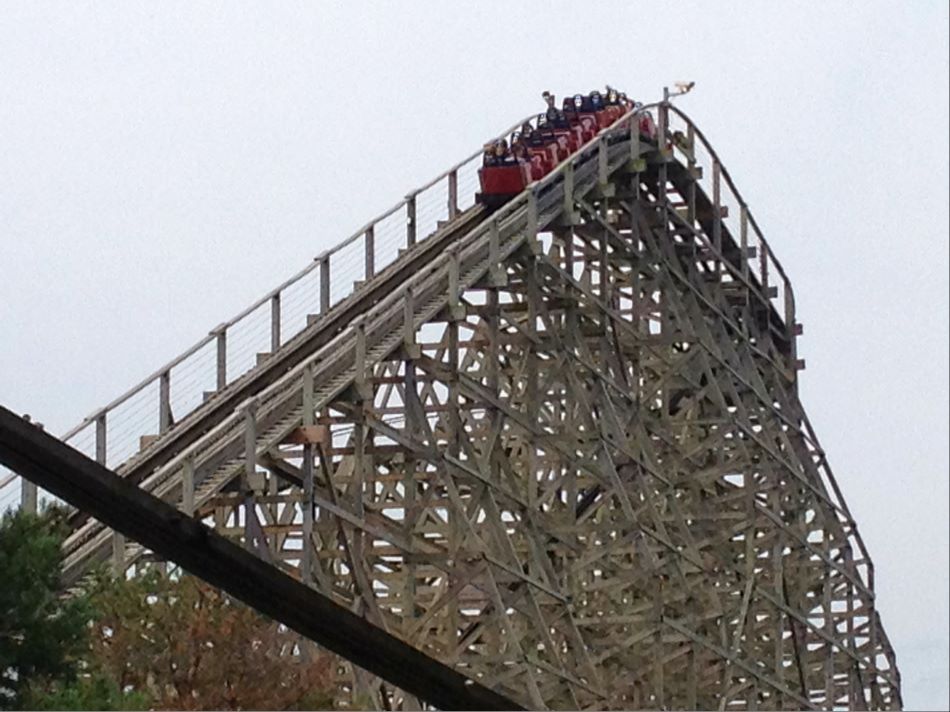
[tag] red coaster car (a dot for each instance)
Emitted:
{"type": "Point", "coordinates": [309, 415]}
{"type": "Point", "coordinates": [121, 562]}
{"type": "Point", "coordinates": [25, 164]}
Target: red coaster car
{"type": "Point", "coordinates": [547, 133]}
{"type": "Point", "coordinates": [585, 123]}
{"type": "Point", "coordinates": [503, 181]}
{"type": "Point", "coordinates": [536, 150]}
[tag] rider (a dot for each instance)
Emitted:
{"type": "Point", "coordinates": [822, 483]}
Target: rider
{"type": "Point", "coordinates": [496, 153]}
{"type": "Point", "coordinates": [519, 151]}
{"type": "Point", "coordinates": [554, 116]}
{"type": "Point", "coordinates": [500, 152]}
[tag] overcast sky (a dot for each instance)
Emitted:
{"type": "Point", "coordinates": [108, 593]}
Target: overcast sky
{"type": "Point", "coordinates": [163, 165]}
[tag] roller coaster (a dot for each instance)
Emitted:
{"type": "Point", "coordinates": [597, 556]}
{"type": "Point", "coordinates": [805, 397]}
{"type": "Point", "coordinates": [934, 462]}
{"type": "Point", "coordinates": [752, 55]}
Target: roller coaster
{"type": "Point", "coordinates": [545, 451]}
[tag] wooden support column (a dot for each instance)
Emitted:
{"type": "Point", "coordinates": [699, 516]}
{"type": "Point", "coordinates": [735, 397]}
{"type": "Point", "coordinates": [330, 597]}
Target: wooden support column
{"type": "Point", "coordinates": [778, 627]}
{"type": "Point", "coordinates": [275, 323]}
{"type": "Point", "coordinates": [409, 608]}
{"type": "Point", "coordinates": [29, 500]}
{"type": "Point", "coordinates": [410, 220]}
{"type": "Point", "coordinates": [663, 125]}
{"type": "Point", "coordinates": [497, 276]}
{"type": "Point", "coordinates": [568, 190]}
{"type": "Point", "coordinates": [221, 357]}
{"type": "Point", "coordinates": [717, 208]}
{"type": "Point", "coordinates": [164, 402]}
{"type": "Point", "coordinates": [531, 230]}
{"type": "Point", "coordinates": [829, 626]}
{"type": "Point", "coordinates": [307, 554]}
{"type": "Point", "coordinates": [453, 200]}
{"type": "Point", "coordinates": [659, 682]}
{"type": "Point", "coordinates": [308, 557]}
{"type": "Point", "coordinates": [325, 284]}
{"type": "Point", "coordinates": [532, 403]}
{"type": "Point", "coordinates": [456, 519]}
{"type": "Point", "coordinates": [249, 475]}
{"type": "Point", "coordinates": [744, 240]}
{"type": "Point", "coordinates": [188, 486]}
{"type": "Point", "coordinates": [369, 252]}
{"type": "Point", "coordinates": [636, 163]}
{"type": "Point", "coordinates": [362, 376]}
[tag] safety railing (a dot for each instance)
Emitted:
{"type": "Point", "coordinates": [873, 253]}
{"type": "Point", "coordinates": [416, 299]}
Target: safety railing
{"type": "Point", "coordinates": [353, 348]}
{"type": "Point", "coordinates": [730, 214]}
{"type": "Point", "coordinates": [118, 430]}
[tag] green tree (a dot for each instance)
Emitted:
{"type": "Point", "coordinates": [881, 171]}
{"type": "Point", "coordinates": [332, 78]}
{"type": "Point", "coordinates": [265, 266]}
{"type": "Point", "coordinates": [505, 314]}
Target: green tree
{"type": "Point", "coordinates": [154, 641]}
{"type": "Point", "coordinates": [42, 633]}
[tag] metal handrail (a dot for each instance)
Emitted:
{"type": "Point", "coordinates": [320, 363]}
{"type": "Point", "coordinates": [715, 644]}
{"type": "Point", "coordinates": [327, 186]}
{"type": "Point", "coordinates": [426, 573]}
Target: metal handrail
{"type": "Point", "coordinates": [767, 253]}
{"type": "Point", "coordinates": [158, 373]}
{"type": "Point", "coordinates": [732, 186]}
{"type": "Point", "coordinates": [556, 174]}
{"type": "Point", "coordinates": [343, 342]}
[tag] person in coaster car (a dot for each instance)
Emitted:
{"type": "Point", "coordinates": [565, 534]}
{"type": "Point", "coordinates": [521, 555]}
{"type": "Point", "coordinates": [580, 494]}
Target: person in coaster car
{"type": "Point", "coordinates": [554, 115]}
{"type": "Point", "coordinates": [496, 153]}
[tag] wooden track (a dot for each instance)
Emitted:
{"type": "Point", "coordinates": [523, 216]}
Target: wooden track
{"type": "Point", "coordinates": [560, 449]}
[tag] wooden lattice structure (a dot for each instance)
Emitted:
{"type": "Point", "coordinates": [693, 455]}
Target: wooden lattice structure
{"type": "Point", "coordinates": [559, 448]}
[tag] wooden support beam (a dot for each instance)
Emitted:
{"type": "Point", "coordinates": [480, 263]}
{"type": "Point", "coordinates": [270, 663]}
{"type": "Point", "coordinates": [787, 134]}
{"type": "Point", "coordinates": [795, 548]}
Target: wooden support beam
{"type": "Point", "coordinates": [198, 549]}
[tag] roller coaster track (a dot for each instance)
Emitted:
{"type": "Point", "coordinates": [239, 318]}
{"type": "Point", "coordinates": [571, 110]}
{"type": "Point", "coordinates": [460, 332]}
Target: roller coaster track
{"type": "Point", "coordinates": [621, 332]}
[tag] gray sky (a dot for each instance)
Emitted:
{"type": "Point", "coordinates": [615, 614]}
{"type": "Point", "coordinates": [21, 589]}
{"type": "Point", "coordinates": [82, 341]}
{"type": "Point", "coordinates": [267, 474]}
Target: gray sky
{"type": "Point", "coordinates": [163, 165]}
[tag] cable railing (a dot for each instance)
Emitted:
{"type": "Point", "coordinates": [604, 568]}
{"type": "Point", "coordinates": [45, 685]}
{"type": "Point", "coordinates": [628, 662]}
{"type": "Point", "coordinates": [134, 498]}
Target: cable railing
{"type": "Point", "coordinates": [121, 428]}
{"type": "Point", "coordinates": [374, 331]}
{"type": "Point", "coordinates": [730, 211]}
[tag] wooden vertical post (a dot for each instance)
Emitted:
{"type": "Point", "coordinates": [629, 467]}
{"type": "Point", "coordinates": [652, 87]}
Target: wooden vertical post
{"type": "Point", "coordinates": [307, 395]}
{"type": "Point", "coordinates": [531, 230]}
{"type": "Point", "coordinates": [250, 447]}
{"type": "Point", "coordinates": [744, 239]}
{"type": "Point", "coordinates": [29, 499]}
{"type": "Point", "coordinates": [663, 121]}
{"type": "Point", "coordinates": [408, 321]}
{"type": "Point", "coordinates": [829, 667]}
{"type": "Point", "coordinates": [453, 195]}
{"type": "Point", "coordinates": [369, 244]}
{"type": "Point", "coordinates": [188, 486]}
{"type": "Point", "coordinates": [306, 554]}
{"type": "Point", "coordinates": [248, 475]}
{"type": "Point", "coordinates": [717, 207]}
{"type": "Point", "coordinates": [634, 138]}
{"type": "Point", "coordinates": [496, 270]}
{"type": "Point", "coordinates": [568, 187]}
{"type": "Point", "coordinates": [101, 438]}
{"type": "Point", "coordinates": [164, 402]}
{"type": "Point", "coordinates": [222, 357]}
{"type": "Point", "coordinates": [275, 323]}
{"type": "Point", "coordinates": [410, 220]}
{"type": "Point", "coordinates": [453, 296]}
{"type": "Point", "coordinates": [360, 355]}
{"type": "Point", "coordinates": [325, 284]}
